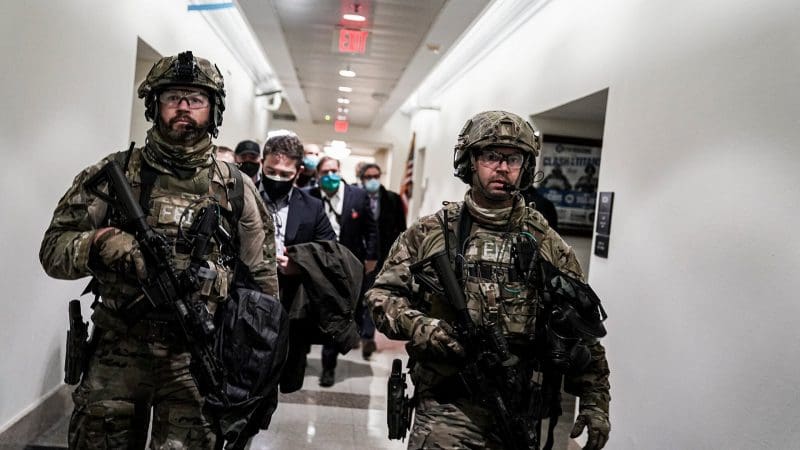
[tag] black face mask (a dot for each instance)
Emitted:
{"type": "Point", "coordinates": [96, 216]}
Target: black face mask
{"type": "Point", "coordinates": [250, 168]}
{"type": "Point", "coordinates": [303, 179]}
{"type": "Point", "coordinates": [276, 187]}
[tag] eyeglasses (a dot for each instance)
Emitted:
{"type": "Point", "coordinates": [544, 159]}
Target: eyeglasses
{"type": "Point", "coordinates": [194, 99]}
{"type": "Point", "coordinates": [492, 159]}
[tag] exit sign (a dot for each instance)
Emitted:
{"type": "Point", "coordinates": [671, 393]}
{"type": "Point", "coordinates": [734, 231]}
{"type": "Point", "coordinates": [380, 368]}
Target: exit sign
{"type": "Point", "coordinates": [340, 126]}
{"type": "Point", "coordinates": [352, 41]}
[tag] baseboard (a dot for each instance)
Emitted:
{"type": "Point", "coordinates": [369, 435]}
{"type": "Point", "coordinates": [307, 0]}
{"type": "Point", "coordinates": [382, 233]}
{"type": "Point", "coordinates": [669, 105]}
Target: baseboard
{"type": "Point", "coordinates": [41, 417]}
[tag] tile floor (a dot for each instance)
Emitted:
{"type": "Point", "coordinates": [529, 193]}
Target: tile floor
{"type": "Point", "coordinates": [349, 415]}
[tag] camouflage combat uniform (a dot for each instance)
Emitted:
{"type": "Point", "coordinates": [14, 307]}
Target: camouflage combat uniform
{"type": "Point", "coordinates": [146, 364]}
{"type": "Point", "coordinates": [457, 422]}
{"type": "Point", "coordinates": [445, 415]}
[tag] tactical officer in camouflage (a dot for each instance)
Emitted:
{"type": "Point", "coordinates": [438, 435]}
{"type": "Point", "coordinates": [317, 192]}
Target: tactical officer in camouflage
{"type": "Point", "coordinates": [495, 155]}
{"type": "Point", "coordinates": [144, 365]}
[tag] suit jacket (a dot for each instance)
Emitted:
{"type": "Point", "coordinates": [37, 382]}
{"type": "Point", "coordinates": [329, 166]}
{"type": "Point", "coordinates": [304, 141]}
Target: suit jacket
{"type": "Point", "coordinates": [306, 220]}
{"type": "Point", "coordinates": [358, 230]}
{"type": "Point", "coordinates": [391, 221]}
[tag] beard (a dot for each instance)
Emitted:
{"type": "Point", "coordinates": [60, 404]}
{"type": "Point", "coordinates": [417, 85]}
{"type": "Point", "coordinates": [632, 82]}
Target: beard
{"type": "Point", "coordinates": [182, 134]}
{"type": "Point", "coordinates": [492, 195]}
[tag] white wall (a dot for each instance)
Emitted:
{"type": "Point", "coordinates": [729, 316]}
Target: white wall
{"type": "Point", "coordinates": [700, 147]}
{"type": "Point", "coordinates": [66, 88]}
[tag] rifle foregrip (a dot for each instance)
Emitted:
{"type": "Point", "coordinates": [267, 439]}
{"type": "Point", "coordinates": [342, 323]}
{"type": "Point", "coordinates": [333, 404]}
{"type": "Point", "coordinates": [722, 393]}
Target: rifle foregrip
{"type": "Point", "coordinates": [440, 263]}
{"type": "Point", "coordinates": [124, 194]}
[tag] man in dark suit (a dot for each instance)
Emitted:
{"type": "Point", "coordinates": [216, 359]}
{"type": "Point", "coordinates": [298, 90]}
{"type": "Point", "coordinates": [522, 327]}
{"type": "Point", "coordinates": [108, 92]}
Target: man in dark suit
{"type": "Point", "coordinates": [350, 215]}
{"type": "Point", "coordinates": [298, 217]}
{"type": "Point", "coordinates": [387, 208]}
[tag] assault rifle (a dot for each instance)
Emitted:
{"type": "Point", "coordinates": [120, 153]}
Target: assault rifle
{"type": "Point", "coordinates": [489, 374]}
{"type": "Point", "coordinates": [164, 285]}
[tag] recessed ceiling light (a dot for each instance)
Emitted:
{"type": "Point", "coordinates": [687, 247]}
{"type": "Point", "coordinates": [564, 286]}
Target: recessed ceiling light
{"type": "Point", "coordinates": [354, 17]}
{"type": "Point", "coordinates": [345, 89]}
{"type": "Point", "coordinates": [347, 73]}
{"type": "Point", "coordinates": [343, 101]}
{"type": "Point", "coordinates": [337, 150]}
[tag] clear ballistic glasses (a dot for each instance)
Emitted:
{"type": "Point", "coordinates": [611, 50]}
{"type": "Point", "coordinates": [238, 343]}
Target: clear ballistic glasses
{"type": "Point", "coordinates": [492, 159]}
{"type": "Point", "coordinates": [173, 97]}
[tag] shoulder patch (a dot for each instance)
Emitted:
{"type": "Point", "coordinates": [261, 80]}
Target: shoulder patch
{"type": "Point", "coordinates": [536, 221]}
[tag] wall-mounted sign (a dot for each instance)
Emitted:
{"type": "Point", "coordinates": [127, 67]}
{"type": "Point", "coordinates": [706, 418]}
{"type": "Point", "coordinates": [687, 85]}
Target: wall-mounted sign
{"type": "Point", "coordinates": [601, 245]}
{"type": "Point", "coordinates": [570, 167]}
{"type": "Point", "coordinates": [604, 213]}
{"type": "Point", "coordinates": [352, 41]}
{"type": "Point", "coordinates": [603, 227]}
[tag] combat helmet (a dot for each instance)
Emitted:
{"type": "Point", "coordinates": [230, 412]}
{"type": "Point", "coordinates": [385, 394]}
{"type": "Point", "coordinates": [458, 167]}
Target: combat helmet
{"type": "Point", "coordinates": [497, 128]}
{"type": "Point", "coordinates": [184, 70]}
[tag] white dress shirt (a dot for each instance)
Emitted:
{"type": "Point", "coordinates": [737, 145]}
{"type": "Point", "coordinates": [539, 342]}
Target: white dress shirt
{"type": "Point", "coordinates": [333, 207]}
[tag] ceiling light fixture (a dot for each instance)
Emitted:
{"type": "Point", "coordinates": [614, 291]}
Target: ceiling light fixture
{"type": "Point", "coordinates": [343, 110]}
{"type": "Point", "coordinates": [354, 16]}
{"type": "Point", "coordinates": [347, 73]}
{"type": "Point", "coordinates": [337, 149]}
{"type": "Point", "coordinates": [345, 89]}
{"type": "Point", "coordinates": [343, 101]}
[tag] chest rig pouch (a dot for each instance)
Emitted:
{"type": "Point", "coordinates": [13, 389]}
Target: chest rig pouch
{"type": "Point", "coordinates": [496, 285]}
{"type": "Point", "coordinates": [174, 205]}
{"type": "Point", "coordinates": [507, 282]}
{"type": "Point", "coordinates": [179, 208]}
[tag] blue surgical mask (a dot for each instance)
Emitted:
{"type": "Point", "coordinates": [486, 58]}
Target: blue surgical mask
{"type": "Point", "coordinates": [372, 185]}
{"type": "Point", "coordinates": [310, 162]}
{"type": "Point", "coordinates": [330, 182]}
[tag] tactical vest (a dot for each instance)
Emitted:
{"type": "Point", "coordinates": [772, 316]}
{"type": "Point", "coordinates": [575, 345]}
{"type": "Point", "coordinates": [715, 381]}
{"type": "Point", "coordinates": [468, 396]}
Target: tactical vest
{"type": "Point", "coordinates": [171, 204]}
{"type": "Point", "coordinates": [496, 290]}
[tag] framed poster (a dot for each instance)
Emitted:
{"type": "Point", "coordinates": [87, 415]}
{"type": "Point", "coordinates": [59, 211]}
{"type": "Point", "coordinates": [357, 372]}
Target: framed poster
{"type": "Point", "coordinates": [569, 179]}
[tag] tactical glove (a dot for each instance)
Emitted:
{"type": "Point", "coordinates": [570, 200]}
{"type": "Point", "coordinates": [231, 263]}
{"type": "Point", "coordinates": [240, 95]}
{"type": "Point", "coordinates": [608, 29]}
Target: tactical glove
{"type": "Point", "coordinates": [599, 427]}
{"type": "Point", "coordinates": [435, 337]}
{"type": "Point", "coordinates": [118, 251]}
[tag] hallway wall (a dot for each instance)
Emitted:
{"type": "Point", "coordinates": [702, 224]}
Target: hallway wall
{"type": "Point", "coordinates": [67, 90]}
{"type": "Point", "coordinates": [700, 146]}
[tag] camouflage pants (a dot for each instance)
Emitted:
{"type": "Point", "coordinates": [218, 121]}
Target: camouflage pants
{"type": "Point", "coordinates": [453, 425]}
{"type": "Point", "coordinates": [126, 378]}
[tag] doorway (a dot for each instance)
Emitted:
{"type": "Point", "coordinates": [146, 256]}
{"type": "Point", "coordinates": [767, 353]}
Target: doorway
{"type": "Point", "coordinates": [570, 166]}
{"type": "Point", "coordinates": [146, 56]}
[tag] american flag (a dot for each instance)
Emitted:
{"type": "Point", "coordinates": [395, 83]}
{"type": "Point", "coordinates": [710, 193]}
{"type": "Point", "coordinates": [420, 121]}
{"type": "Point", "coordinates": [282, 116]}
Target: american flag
{"type": "Point", "coordinates": [407, 186]}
